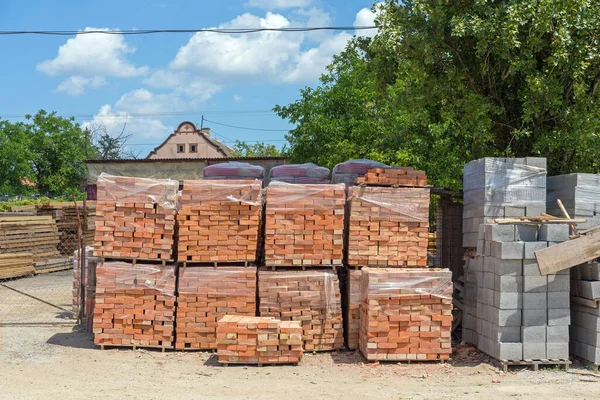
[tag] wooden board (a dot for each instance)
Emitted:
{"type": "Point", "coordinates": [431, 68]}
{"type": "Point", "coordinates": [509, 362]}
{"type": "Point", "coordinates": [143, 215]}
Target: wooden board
{"type": "Point", "coordinates": [569, 254]}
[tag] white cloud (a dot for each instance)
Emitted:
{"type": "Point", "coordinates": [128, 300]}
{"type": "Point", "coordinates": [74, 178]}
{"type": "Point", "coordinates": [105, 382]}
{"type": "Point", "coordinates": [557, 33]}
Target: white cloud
{"type": "Point", "coordinates": [195, 87]}
{"type": "Point", "coordinates": [314, 17]}
{"type": "Point", "coordinates": [140, 128]}
{"type": "Point", "coordinates": [75, 85]}
{"type": "Point", "coordinates": [278, 4]}
{"type": "Point", "coordinates": [366, 17]}
{"type": "Point", "coordinates": [237, 99]}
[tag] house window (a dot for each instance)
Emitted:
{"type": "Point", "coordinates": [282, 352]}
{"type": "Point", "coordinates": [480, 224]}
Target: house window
{"type": "Point", "coordinates": [193, 148]}
{"type": "Point", "coordinates": [181, 148]}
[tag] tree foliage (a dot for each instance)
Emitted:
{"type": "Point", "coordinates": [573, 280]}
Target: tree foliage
{"type": "Point", "coordinates": [260, 149]}
{"type": "Point", "coordinates": [445, 82]}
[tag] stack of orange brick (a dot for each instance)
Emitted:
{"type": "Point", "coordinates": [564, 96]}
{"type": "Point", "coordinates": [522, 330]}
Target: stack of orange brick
{"type": "Point", "coordinates": [388, 226]}
{"type": "Point", "coordinates": [401, 176]}
{"type": "Point", "coordinates": [219, 220]}
{"type": "Point", "coordinates": [205, 295]}
{"type": "Point", "coordinates": [310, 297]}
{"type": "Point", "coordinates": [406, 314]}
{"type": "Point", "coordinates": [135, 305]}
{"type": "Point", "coordinates": [258, 340]}
{"type": "Point", "coordinates": [304, 224]}
{"type": "Point", "coordinates": [135, 218]}
{"type": "Point", "coordinates": [352, 312]}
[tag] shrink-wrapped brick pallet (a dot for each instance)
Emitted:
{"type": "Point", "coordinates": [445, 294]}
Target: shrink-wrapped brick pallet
{"type": "Point", "coordinates": [300, 173]}
{"type": "Point", "coordinates": [258, 340]}
{"type": "Point", "coordinates": [304, 224]}
{"type": "Point", "coordinates": [352, 312]}
{"type": "Point", "coordinates": [234, 170]}
{"type": "Point", "coordinates": [219, 221]}
{"type": "Point", "coordinates": [406, 314]}
{"type": "Point", "coordinates": [311, 297]}
{"type": "Point", "coordinates": [135, 305]}
{"type": "Point", "coordinates": [388, 226]}
{"type": "Point", "coordinates": [135, 218]}
{"type": "Point", "coordinates": [348, 171]}
{"type": "Point", "coordinates": [400, 176]}
{"type": "Point", "coordinates": [207, 294]}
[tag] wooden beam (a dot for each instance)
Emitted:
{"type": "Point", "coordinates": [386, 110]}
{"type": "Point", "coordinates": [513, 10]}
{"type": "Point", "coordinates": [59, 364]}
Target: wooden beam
{"type": "Point", "coordinates": [569, 254]}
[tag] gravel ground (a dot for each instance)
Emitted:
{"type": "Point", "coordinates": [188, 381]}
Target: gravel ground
{"type": "Point", "coordinates": [55, 362]}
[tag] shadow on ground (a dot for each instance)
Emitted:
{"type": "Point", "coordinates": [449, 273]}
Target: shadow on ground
{"type": "Point", "coordinates": [78, 340]}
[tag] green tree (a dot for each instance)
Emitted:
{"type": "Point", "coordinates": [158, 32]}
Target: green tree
{"type": "Point", "coordinates": [15, 168]}
{"type": "Point", "coordinates": [260, 149]}
{"type": "Point", "coordinates": [111, 146]}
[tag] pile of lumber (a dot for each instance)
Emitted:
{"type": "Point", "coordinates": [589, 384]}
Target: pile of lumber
{"type": "Point", "coordinates": [388, 226]}
{"type": "Point", "coordinates": [258, 340]}
{"type": "Point", "coordinates": [300, 173]}
{"type": "Point", "coordinates": [304, 224]}
{"type": "Point", "coordinates": [406, 314]}
{"type": "Point", "coordinates": [135, 218]}
{"type": "Point", "coordinates": [311, 297]}
{"type": "Point", "coordinates": [219, 220]}
{"type": "Point", "coordinates": [135, 305]}
{"type": "Point", "coordinates": [207, 294]}
{"type": "Point", "coordinates": [26, 234]}
{"type": "Point", "coordinates": [399, 176]}
{"type": "Point", "coordinates": [15, 265]}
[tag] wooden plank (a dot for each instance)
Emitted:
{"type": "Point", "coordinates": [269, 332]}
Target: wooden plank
{"type": "Point", "coordinates": [585, 302]}
{"type": "Point", "coordinates": [569, 254]}
{"type": "Point", "coordinates": [535, 221]}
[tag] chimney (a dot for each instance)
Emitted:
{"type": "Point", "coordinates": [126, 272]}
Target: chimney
{"type": "Point", "coordinates": [205, 131]}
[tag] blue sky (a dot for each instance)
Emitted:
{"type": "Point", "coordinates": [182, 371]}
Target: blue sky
{"type": "Point", "coordinates": [154, 82]}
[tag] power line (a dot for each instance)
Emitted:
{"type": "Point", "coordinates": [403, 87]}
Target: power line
{"type": "Point", "coordinates": [249, 129]}
{"type": "Point", "coordinates": [156, 114]}
{"type": "Point", "coordinates": [205, 30]}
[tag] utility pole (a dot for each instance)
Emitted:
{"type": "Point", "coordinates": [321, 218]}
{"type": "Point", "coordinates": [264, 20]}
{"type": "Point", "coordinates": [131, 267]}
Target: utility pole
{"type": "Point", "coordinates": [202, 123]}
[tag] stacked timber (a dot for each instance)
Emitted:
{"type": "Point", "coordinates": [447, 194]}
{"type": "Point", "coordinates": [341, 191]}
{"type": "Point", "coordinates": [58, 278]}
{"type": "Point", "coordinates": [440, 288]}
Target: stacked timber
{"type": "Point", "coordinates": [205, 295]}
{"type": "Point", "coordinates": [308, 173]}
{"type": "Point", "coordinates": [37, 236]}
{"type": "Point", "coordinates": [135, 305]}
{"type": "Point", "coordinates": [15, 265]}
{"type": "Point", "coordinates": [398, 176]}
{"type": "Point", "coordinates": [304, 224]}
{"type": "Point", "coordinates": [258, 340]}
{"type": "Point", "coordinates": [311, 297]}
{"type": "Point", "coordinates": [219, 221]}
{"type": "Point", "coordinates": [406, 314]}
{"type": "Point", "coordinates": [135, 218]}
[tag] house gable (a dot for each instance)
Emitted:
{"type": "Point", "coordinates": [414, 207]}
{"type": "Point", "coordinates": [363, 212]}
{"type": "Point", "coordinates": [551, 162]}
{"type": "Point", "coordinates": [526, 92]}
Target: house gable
{"type": "Point", "coordinates": [189, 142]}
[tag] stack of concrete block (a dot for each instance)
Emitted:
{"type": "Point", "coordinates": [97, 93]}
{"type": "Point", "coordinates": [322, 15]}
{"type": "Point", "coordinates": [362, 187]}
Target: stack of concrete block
{"type": "Point", "coordinates": [207, 294]}
{"type": "Point", "coordinates": [499, 188]}
{"type": "Point", "coordinates": [219, 221]}
{"type": "Point", "coordinates": [519, 314]}
{"type": "Point", "coordinates": [312, 297]}
{"type": "Point", "coordinates": [585, 311]}
{"type": "Point", "coordinates": [580, 194]}
{"type": "Point", "coordinates": [258, 340]}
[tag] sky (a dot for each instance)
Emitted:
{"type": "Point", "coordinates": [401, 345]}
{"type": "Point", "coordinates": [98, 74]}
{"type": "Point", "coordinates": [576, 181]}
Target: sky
{"type": "Point", "coordinates": [154, 82]}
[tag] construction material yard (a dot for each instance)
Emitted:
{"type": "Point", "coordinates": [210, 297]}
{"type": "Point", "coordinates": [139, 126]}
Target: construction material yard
{"type": "Point", "coordinates": [55, 362]}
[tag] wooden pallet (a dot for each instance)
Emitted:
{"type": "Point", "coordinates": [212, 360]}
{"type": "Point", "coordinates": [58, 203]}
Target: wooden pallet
{"type": "Point", "coordinates": [535, 364]}
{"type": "Point", "coordinates": [134, 347]}
{"type": "Point", "coordinates": [334, 267]}
{"type": "Point", "coordinates": [217, 264]}
{"type": "Point", "coordinates": [227, 363]}
{"type": "Point", "coordinates": [135, 260]}
{"type": "Point", "coordinates": [438, 360]}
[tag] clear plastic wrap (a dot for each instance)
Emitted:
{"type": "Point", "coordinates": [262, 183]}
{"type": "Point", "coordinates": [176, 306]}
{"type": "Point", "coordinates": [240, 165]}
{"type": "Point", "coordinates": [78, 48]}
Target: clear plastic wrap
{"type": "Point", "coordinates": [300, 173]}
{"type": "Point", "coordinates": [395, 283]}
{"type": "Point", "coordinates": [222, 282]}
{"type": "Point", "coordinates": [234, 170]}
{"type": "Point", "coordinates": [383, 203]}
{"type": "Point", "coordinates": [126, 190]}
{"type": "Point", "coordinates": [287, 196]}
{"type": "Point", "coordinates": [120, 276]}
{"type": "Point", "coordinates": [348, 171]}
{"type": "Point", "coordinates": [218, 191]}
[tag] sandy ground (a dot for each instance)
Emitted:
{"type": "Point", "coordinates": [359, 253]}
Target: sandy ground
{"type": "Point", "coordinates": [55, 363]}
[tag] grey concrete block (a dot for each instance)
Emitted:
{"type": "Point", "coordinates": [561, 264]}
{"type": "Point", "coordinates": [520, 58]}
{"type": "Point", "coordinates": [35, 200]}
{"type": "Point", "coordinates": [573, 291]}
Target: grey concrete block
{"type": "Point", "coordinates": [509, 250]}
{"type": "Point", "coordinates": [531, 268]}
{"type": "Point", "coordinates": [526, 233]}
{"type": "Point", "coordinates": [559, 299]}
{"type": "Point", "coordinates": [493, 211]}
{"type": "Point", "coordinates": [500, 233]}
{"type": "Point", "coordinates": [537, 162]}
{"type": "Point", "coordinates": [559, 316]}
{"type": "Point", "coordinates": [557, 334]}
{"type": "Point", "coordinates": [510, 211]}
{"type": "Point", "coordinates": [535, 284]}
{"type": "Point", "coordinates": [507, 334]}
{"type": "Point", "coordinates": [535, 211]}
{"type": "Point", "coordinates": [505, 317]}
{"type": "Point", "coordinates": [508, 283]}
{"type": "Point", "coordinates": [589, 289]}
{"type": "Point", "coordinates": [559, 283]}
{"type": "Point", "coordinates": [508, 267]}
{"type": "Point", "coordinates": [532, 247]}
{"type": "Point", "coordinates": [509, 351]}
{"type": "Point", "coordinates": [534, 351]}
{"type": "Point", "coordinates": [534, 301]}
{"type": "Point", "coordinates": [533, 334]}
{"type": "Point", "coordinates": [534, 317]}
{"type": "Point", "coordinates": [557, 350]}
{"type": "Point", "coordinates": [508, 300]}
{"type": "Point", "coordinates": [554, 232]}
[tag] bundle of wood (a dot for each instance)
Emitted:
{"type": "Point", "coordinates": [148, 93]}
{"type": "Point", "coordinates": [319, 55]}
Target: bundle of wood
{"type": "Point", "coordinates": [15, 265]}
{"type": "Point", "coordinates": [311, 297]}
{"type": "Point", "coordinates": [135, 305]}
{"type": "Point", "coordinates": [304, 224]}
{"type": "Point", "coordinates": [398, 176]}
{"type": "Point", "coordinates": [207, 294]}
{"type": "Point", "coordinates": [300, 173]}
{"type": "Point", "coordinates": [135, 218]}
{"type": "Point", "coordinates": [406, 314]}
{"type": "Point", "coordinates": [388, 226]}
{"type": "Point", "coordinates": [258, 340]}
{"type": "Point", "coordinates": [219, 220]}
{"type": "Point", "coordinates": [25, 234]}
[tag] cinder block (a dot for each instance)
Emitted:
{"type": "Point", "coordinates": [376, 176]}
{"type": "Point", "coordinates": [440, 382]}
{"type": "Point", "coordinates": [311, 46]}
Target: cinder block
{"type": "Point", "coordinates": [559, 299]}
{"type": "Point", "coordinates": [534, 317]}
{"type": "Point", "coordinates": [508, 300]}
{"type": "Point", "coordinates": [559, 283]}
{"type": "Point", "coordinates": [534, 351]}
{"type": "Point", "coordinates": [559, 316]}
{"type": "Point", "coordinates": [510, 211]}
{"type": "Point", "coordinates": [589, 289]}
{"type": "Point", "coordinates": [526, 233]}
{"type": "Point", "coordinates": [531, 268]}
{"type": "Point", "coordinates": [535, 284]}
{"type": "Point", "coordinates": [508, 283]}
{"type": "Point", "coordinates": [535, 301]}
{"type": "Point", "coordinates": [507, 334]}
{"type": "Point", "coordinates": [532, 247]}
{"type": "Point", "coordinates": [557, 334]}
{"type": "Point", "coordinates": [499, 233]}
{"type": "Point", "coordinates": [557, 350]}
{"type": "Point", "coordinates": [509, 250]}
{"type": "Point", "coordinates": [507, 267]}
{"type": "Point", "coordinates": [509, 351]}
{"type": "Point", "coordinates": [505, 317]}
{"type": "Point", "coordinates": [535, 211]}
{"type": "Point", "coordinates": [554, 232]}
{"type": "Point", "coordinates": [533, 334]}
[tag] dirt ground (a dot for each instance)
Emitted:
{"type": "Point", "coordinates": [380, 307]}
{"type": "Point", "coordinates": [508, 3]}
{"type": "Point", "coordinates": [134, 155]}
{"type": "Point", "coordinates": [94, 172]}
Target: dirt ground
{"type": "Point", "coordinates": [57, 363]}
